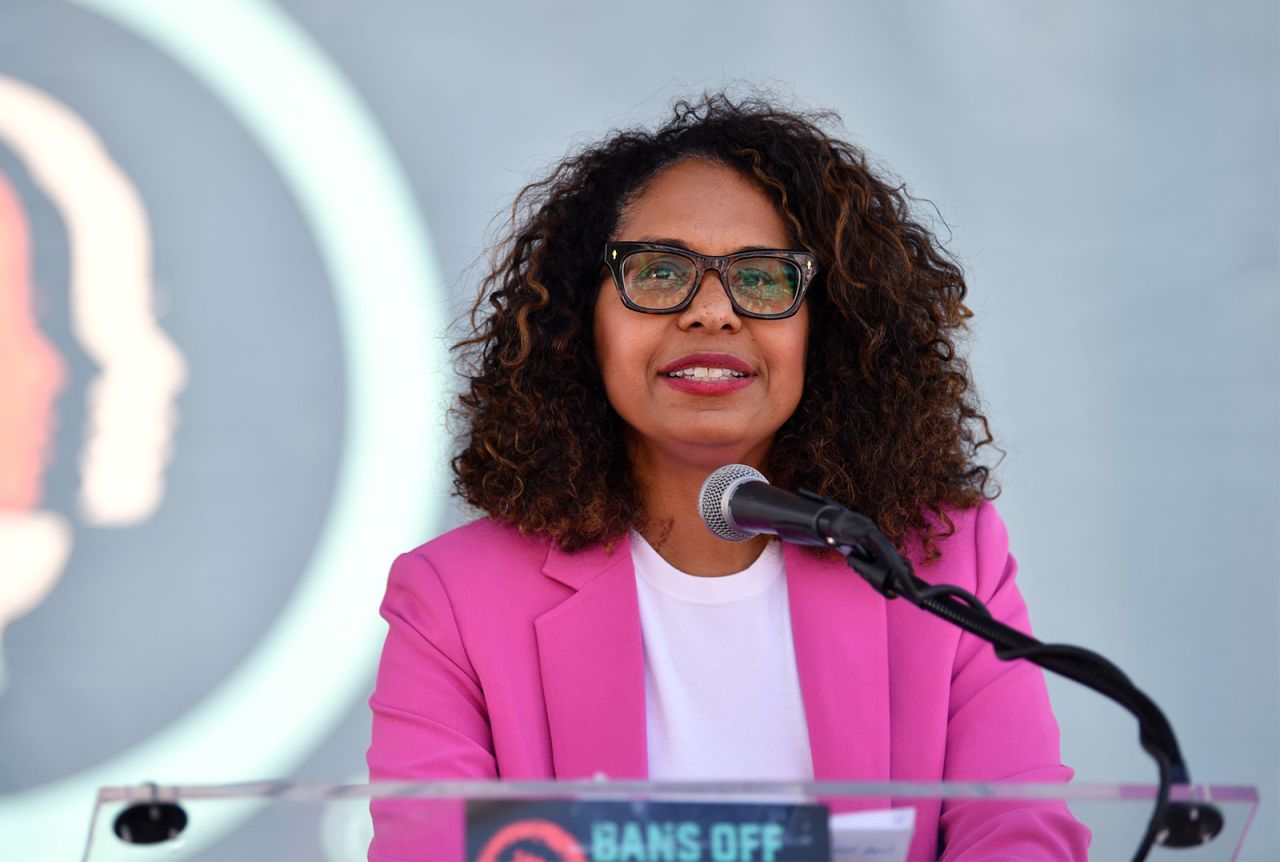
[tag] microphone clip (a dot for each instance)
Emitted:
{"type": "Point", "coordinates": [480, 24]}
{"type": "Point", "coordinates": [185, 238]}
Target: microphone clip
{"type": "Point", "coordinates": [860, 542]}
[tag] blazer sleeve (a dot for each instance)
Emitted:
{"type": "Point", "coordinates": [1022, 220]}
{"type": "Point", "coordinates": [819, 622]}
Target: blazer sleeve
{"type": "Point", "coordinates": [429, 716]}
{"type": "Point", "coordinates": [1000, 727]}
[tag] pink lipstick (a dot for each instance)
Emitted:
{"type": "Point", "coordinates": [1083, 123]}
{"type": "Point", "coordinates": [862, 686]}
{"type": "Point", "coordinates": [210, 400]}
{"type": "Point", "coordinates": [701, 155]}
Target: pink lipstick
{"type": "Point", "coordinates": [708, 374]}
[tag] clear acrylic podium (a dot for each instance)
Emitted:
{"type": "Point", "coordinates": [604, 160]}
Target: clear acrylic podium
{"type": "Point", "coordinates": [308, 821]}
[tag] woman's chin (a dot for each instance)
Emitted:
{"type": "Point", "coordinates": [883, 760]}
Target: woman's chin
{"type": "Point", "coordinates": [709, 448]}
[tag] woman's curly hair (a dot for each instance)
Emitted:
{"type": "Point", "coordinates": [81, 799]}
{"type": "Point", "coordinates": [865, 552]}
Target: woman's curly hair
{"type": "Point", "coordinates": [888, 422]}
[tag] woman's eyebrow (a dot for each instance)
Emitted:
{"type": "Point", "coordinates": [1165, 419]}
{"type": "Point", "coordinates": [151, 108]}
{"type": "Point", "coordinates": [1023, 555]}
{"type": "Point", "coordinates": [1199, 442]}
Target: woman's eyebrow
{"type": "Point", "coordinates": [663, 240]}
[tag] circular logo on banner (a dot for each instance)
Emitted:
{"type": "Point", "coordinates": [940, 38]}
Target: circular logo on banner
{"type": "Point", "coordinates": [246, 433]}
{"type": "Point", "coordinates": [532, 841]}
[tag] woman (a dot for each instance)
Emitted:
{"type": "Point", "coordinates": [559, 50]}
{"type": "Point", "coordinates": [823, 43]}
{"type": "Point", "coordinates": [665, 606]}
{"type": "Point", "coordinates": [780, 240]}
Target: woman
{"type": "Point", "coordinates": [734, 287]}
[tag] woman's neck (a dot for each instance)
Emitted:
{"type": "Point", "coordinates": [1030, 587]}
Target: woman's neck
{"type": "Point", "coordinates": [673, 525]}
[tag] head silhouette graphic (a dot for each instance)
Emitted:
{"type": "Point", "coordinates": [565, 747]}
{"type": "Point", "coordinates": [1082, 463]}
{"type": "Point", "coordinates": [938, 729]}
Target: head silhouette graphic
{"type": "Point", "coordinates": [130, 415]}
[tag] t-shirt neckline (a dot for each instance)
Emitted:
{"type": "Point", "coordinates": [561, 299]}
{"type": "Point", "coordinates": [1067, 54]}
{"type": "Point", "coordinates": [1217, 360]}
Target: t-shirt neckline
{"type": "Point", "coordinates": [660, 575]}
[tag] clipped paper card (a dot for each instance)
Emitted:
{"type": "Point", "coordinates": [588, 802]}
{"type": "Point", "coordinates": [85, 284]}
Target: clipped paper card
{"type": "Point", "coordinates": [872, 836]}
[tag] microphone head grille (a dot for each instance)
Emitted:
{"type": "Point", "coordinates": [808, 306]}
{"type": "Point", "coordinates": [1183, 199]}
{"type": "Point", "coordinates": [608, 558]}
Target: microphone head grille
{"type": "Point", "coordinates": [713, 499]}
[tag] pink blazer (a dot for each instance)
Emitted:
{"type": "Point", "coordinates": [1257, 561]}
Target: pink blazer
{"type": "Point", "coordinates": [507, 657]}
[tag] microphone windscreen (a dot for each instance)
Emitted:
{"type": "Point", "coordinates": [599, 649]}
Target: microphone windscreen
{"type": "Point", "coordinates": [713, 499]}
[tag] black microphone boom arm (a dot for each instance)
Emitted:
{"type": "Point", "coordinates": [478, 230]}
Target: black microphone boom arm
{"type": "Point", "coordinates": [737, 502]}
{"type": "Point", "coordinates": [873, 556]}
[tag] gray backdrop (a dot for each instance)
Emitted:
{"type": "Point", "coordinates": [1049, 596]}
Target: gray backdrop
{"type": "Point", "coordinates": [1109, 175]}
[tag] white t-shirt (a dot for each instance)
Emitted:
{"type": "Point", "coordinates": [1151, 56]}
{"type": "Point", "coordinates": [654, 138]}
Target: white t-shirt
{"type": "Point", "coordinates": [721, 690]}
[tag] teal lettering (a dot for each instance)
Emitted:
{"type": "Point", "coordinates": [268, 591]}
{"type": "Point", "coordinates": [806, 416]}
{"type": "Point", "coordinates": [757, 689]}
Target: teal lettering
{"type": "Point", "coordinates": [632, 846]}
{"type": "Point", "coordinates": [743, 842]}
{"type": "Point", "coordinates": [662, 842]}
{"type": "Point", "coordinates": [604, 842]}
{"type": "Point", "coordinates": [688, 836]}
{"type": "Point", "coordinates": [771, 841]}
{"type": "Point", "coordinates": [724, 842]}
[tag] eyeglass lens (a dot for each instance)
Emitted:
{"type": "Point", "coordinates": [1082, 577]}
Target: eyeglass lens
{"type": "Point", "coordinates": [760, 285]}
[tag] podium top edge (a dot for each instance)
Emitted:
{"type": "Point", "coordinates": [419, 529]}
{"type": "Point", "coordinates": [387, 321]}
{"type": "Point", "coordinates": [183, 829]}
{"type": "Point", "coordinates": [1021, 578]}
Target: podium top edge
{"type": "Point", "coordinates": [603, 788]}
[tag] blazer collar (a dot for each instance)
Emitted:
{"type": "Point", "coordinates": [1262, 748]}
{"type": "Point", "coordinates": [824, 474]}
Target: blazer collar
{"type": "Point", "coordinates": [591, 655]}
{"type": "Point", "coordinates": [578, 568]}
{"type": "Point", "coordinates": [839, 629]}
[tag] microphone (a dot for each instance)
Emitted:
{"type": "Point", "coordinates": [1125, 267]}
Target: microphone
{"type": "Point", "coordinates": [737, 502]}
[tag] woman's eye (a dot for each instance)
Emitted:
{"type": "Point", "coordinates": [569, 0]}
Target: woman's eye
{"type": "Point", "coordinates": [756, 280]}
{"type": "Point", "coordinates": [658, 273]}
{"type": "Point", "coordinates": [661, 273]}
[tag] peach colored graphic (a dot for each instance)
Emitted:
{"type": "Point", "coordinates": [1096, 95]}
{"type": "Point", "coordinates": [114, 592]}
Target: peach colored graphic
{"type": "Point", "coordinates": [34, 544]}
{"type": "Point", "coordinates": [31, 370]}
{"type": "Point", "coordinates": [552, 840]}
{"type": "Point", "coordinates": [128, 434]}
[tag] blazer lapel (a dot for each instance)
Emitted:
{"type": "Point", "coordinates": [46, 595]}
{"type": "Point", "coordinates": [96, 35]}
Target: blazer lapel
{"type": "Point", "coordinates": [838, 625]}
{"type": "Point", "coordinates": [591, 655]}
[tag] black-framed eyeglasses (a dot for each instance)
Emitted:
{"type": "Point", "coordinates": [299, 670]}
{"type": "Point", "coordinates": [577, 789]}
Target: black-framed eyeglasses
{"type": "Point", "coordinates": [662, 279]}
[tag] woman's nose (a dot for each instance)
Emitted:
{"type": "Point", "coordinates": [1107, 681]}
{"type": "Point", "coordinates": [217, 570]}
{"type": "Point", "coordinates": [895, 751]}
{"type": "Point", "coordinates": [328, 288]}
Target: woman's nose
{"type": "Point", "coordinates": [711, 308]}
